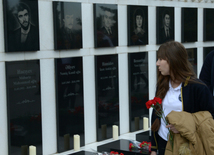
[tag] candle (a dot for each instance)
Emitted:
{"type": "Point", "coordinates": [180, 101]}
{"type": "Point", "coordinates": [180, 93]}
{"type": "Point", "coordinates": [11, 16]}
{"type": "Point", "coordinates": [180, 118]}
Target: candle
{"type": "Point", "coordinates": [145, 123]}
{"type": "Point", "coordinates": [136, 121]}
{"type": "Point", "coordinates": [32, 150]}
{"type": "Point", "coordinates": [76, 142]}
{"type": "Point", "coordinates": [115, 132]}
{"type": "Point", "coordinates": [67, 142]}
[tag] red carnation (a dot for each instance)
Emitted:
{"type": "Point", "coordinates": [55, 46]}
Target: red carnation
{"type": "Point", "coordinates": [150, 103]}
{"type": "Point", "coordinates": [153, 102]}
{"type": "Point", "coordinates": [131, 146]}
{"type": "Point", "coordinates": [158, 100]}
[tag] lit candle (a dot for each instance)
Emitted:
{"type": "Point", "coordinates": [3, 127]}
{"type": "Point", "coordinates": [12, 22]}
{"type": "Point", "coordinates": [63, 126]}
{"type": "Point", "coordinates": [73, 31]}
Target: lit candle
{"type": "Point", "coordinates": [76, 142]}
{"type": "Point", "coordinates": [115, 132]}
{"type": "Point", "coordinates": [32, 150]}
{"type": "Point", "coordinates": [145, 123]}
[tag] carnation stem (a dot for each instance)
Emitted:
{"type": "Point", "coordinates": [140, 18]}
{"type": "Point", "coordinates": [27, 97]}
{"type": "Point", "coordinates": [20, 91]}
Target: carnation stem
{"type": "Point", "coordinates": [161, 115]}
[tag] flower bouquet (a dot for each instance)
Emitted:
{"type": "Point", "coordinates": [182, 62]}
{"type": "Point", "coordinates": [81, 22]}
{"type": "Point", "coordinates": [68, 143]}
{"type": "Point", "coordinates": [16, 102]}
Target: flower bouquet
{"type": "Point", "coordinates": [157, 102]}
{"type": "Point", "coordinates": [143, 147]}
{"type": "Point", "coordinates": [110, 153]}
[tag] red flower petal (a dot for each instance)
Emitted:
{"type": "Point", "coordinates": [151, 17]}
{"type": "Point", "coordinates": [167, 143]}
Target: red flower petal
{"type": "Point", "coordinates": [150, 103]}
{"type": "Point", "coordinates": [159, 100]}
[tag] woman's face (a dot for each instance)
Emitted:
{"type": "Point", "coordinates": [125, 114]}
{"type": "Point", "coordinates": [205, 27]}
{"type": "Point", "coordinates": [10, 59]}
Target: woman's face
{"type": "Point", "coordinates": [139, 20]}
{"type": "Point", "coordinates": [163, 66]}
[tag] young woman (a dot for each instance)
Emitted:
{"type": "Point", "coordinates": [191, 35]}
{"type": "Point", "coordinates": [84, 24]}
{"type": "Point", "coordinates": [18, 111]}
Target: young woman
{"type": "Point", "coordinates": [179, 90]}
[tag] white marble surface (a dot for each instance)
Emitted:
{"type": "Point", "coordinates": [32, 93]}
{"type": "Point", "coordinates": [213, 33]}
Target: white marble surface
{"type": "Point", "coordinates": [48, 108]}
{"type": "Point", "coordinates": [92, 147]}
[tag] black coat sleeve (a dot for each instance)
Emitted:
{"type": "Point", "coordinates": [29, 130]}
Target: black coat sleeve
{"type": "Point", "coordinates": [206, 100]}
{"type": "Point", "coordinates": [205, 74]}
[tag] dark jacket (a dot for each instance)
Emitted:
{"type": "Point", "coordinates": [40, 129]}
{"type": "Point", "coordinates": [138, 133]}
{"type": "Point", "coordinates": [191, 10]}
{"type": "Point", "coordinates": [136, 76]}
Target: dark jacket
{"type": "Point", "coordinates": [195, 97]}
{"type": "Point", "coordinates": [162, 35]}
{"type": "Point", "coordinates": [31, 43]}
{"type": "Point", "coordinates": [207, 71]}
{"type": "Point", "coordinates": [112, 38]}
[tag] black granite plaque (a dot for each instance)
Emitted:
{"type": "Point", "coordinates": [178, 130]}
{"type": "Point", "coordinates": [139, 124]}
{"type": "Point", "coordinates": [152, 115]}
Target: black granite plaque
{"type": "Point", "coordinates": [69, 102]}
{"type": "Point", "coordinates": [21, 25]}
{"type": "Point", "coordinates": [192, 57]}
{"type": "Point", "coordinates": [138, 89]}
{"type": "Point", "coordinates": [207, 50]}
{"type": "Point", "coordinates": [137, 25]}
{"type": "Point", "coordinates": [208, 24]}
{"type": "Point", "coordinates": [189, 25]}
{"type": "Point", "coordinates": [164, 24]}
{"type": "Point", "coordinates": [67, 25]}
{"type": "Point", "coordinates": [105, 25]}
{"type": "Point", "coordinates": [107, 95]}
{"type": "Point", "coordinates": [23, 106]}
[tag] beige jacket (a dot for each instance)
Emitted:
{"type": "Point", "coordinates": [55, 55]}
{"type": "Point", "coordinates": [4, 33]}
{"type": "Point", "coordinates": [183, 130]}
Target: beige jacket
{"type": "Point", "coordinates": [196, 133]}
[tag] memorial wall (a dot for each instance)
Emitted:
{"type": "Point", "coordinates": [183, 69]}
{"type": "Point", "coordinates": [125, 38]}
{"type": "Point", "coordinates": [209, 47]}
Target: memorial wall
{"type": "Point", "coordinates": [81, 66]}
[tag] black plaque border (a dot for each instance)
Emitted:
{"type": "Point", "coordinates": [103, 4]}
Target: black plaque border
{"type": "Point", "coordinates": [6, 28]}
{"type": "Point", "coordinates": [57, 108]}
{"type": "Point", "coordinates": [56, 26]}
{"type": "Point", "coordinates": [207, 12]}
{"type": "Point", "coordinates": [95, 24]}
{"type": "Point", "coordinates": [183, 27]}
{"type": "Point", "coordinates": [159, 12]}
{"type": "Point", "coordinates": [57, 105]}
{"type": "Point", "coordinates": [96, 93]}
{"type": "Point", "coordinates": [129, 86]}
{"type": "Point", "coordinates": [130, 18]}
{"type": "Point", "coordinates": [96, 96]}
{"type": "Point", "coordinates": [8, 106]}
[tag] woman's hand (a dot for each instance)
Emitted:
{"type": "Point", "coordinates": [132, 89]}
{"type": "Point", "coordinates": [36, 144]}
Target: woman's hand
{"type": "Point", "coordinates": [172, 128]}
{"type": "Point", "coordinates": [153, 153]}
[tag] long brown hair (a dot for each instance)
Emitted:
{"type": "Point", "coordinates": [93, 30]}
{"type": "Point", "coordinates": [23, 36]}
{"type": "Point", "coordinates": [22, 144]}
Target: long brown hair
{"type": "Point", "coordinates": [179, 66]}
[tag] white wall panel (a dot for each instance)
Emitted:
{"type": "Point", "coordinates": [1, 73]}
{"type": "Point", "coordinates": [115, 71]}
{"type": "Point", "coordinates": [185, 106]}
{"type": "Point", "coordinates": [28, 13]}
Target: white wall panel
{"type": "Point", "coordinates": [47, 54]}
{"type": "Point", "coordinates": [48, 101]}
